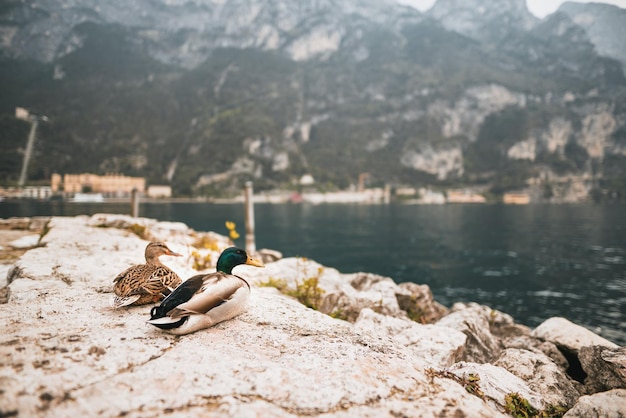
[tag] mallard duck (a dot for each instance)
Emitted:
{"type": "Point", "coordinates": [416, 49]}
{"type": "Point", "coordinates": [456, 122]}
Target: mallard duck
{"type": "Point", "coordinates": [146, 283]}
{"type": "Point", "coordinates": [206, 299]}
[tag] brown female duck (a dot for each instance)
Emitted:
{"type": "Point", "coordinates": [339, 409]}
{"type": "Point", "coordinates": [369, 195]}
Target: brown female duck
{"type": "Point", "coordinates": [146, 283]}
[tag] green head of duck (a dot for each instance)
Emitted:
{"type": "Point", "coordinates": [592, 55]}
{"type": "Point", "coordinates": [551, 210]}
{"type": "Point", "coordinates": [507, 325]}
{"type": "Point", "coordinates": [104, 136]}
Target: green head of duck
{"type": "Point", "coordinates": [232, 257]}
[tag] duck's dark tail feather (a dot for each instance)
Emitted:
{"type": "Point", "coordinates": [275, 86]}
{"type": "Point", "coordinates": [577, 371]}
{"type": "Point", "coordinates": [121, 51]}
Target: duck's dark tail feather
{"type": "Point", "coordinates": [167, 323]}
{"type": "Point", "coordinates": [157, 312]}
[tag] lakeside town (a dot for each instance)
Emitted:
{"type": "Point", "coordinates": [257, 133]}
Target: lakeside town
{"type": "Point", "coordinates": [88, 187]}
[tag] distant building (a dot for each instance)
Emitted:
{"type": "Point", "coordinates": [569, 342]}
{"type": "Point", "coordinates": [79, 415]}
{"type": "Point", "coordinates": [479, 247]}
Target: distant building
{"type": "Point", "coordinates": [405, 192]}
{"type": "Point", "coordinates": [430, 197]}
{"type": "Point", "coordinates": [307, 180]}
{"type": "Point", "coordinates": [110, 185]}
{"type": "Point", "coordinates": [35, 192]}
{"type": "Point", "coordinates": [157, 191]}
{"type": "Point", "coordinates": [375, 195]}
{"type": "Point", "coordinates": [21, 113]}
{"type": "Point", "coordinates": [516, 198]}
{"type": "Point", "coordinates": [465, 196]}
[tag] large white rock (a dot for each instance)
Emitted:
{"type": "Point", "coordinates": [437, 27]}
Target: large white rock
{"type": "Point", "coordinates": [496, 382]}
{"type": "Point", "coordinates": [436, 346]}
{"type": "Point", "coordinates": [482, 346]}
{"type": "Point", "coordinates": [338, 294]}
{"type": "Point", "coordinates": [4, 272]}
{"type": "Point", "coordinates": [605, 368]}
{"type": "Point", "coordinates": [418, 302]}
{"type": "Point", "coordinates": [541, 374]}
{"type": "Point", "coordinates": [64, 352]}
{"type": "Point", "coordinates": [27, 241]}
{"type": "Point", "coordinates": [501, 324]}
{"type": "Point", "coordinates": [564, 333]}
{"type": "Point", "coordinates": [600, 405]}
{"type": "Point", "coordinates": [526, 342]}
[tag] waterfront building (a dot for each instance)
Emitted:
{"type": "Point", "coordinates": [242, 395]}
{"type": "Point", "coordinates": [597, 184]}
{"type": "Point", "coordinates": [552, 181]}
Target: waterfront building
{"type": "Point", "coordinates": [516, 198]}
{"type": "Point", "coordinates": [159, 191]}
{"type": "Point", "coordinates": [465, 196]}
{"type": "Point", "coordinates": [109, 185]}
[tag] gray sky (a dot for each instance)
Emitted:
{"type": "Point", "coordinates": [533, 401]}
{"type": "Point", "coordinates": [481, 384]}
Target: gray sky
{"type": "Point", "coordinates": [539, 8]}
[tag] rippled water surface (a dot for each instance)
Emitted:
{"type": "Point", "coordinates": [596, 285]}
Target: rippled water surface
{"type": "Point", "coordinates": [532, 262]}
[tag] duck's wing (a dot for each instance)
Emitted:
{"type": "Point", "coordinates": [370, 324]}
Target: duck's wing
{"type": "Point", "coordinates": [168, 277]}
{"type": "Point", "coordinates": [216, 289]}
{"type": "Point", "coordinates": [127, 287]}
{"type": "Point", "coordinates": [129, 272]}
{"type": "Point", "coordinates": [180, 295]}
{"type": "Point", "coordinates": [160, 279]}
{"type": "Point", "coordinates": [117, 302]}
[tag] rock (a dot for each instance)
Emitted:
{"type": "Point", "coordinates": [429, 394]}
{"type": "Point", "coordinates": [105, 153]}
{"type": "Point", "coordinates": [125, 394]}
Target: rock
{"type": "Point", "coordinates": [570, 338]}
{"type": "Point", "coordinates": [418, 302]}
{"type": "Point", "coordinates": [15, 223]}
{"type": "Point", "coordinates": [4, 272]}
{"type": "Point", "coordinates": [437, 346]}
{"type": "Point", "coordinates": [172, 231]}
{"type": "Point", "coordinates": [565, 334]}
{"type": "Point", "coordinates": [64, 352]}
{"type": "Point", "coordinates": [103, 253]}
{"type": "Point", "coordinates": [38, 223]}
{"type": "Point", "coordinates": [501, 325]}
{"type": "Point", "coordinates": [333, 293]}
{"type": "Point", "coordinates": [494, 383]}
{"type": "Point", "coordinates": [526, 342]}
{"type": "Point", "coordinates": [600, 405]}
{"type": "Point", "coordinates": [151, 230]}
{"type": "Point", "coordinates": [378, 289]}
{"type": "Point", "coordinates": [27, 241]}
{"type": "Point", "coordinates": [481, 346]}
{"type": "Point", "coordinates": [268, 256]}
{"type": "Point", "coordinates": [4, 281]}
{"type": "Point", "coordinates": [605, 368]}
{"type": "Point", "coordinates": [455, 403]}
{"type": "Point", "coordinates": [108, 220]}
{"type": "Point", "coordinates": [541, 374]}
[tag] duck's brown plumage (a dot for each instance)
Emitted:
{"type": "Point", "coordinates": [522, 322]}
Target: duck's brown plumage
{"type": "Point", "coordinates": [146, 283]}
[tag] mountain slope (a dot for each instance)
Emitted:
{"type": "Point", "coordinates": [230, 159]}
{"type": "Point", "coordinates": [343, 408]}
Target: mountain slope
{"type": "Point", "coordinates": [207, 94]}
{"type": "Point", "coordinates": [605, 25]}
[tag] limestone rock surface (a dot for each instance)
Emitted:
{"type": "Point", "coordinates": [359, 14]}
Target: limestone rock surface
{"type": "Point", "coordinates": [482, 346]}
{"type": "Point", "coordinates": [542, 375]}
{"type": "Point", "coordinates": [566, 334]}
{"type": "Point", "coordinates": [600, 405]}
{"type": "Point", "coordinates": [435, 345]}
{"type": "Point", "coordinates": [605, 368]}
{"type": "Point", "coordinates": [65, 353]}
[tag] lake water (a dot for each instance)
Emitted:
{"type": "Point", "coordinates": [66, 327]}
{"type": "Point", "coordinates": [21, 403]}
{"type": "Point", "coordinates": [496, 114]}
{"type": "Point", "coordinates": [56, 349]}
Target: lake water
{"type": "Point", "coordinates": [533, 262]}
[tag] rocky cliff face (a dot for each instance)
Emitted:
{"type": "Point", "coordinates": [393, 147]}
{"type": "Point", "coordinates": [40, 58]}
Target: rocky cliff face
{"type": "Point", "coordinates": [479, 19]}
{"type": "Point", "coordinates": [184, 32]}
{"type": "Point", "coordinates": [605, 25]}
{"type": "Point", "coordinates": [207, 94]}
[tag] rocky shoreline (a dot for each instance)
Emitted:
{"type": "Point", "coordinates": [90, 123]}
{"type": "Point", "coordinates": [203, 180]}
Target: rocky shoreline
{"type": "Point", "coordinates": [313, 341]}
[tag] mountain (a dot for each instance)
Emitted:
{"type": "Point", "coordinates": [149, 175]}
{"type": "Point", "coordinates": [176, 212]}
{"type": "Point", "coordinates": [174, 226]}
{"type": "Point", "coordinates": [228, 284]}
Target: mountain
{"type": "Point", "coordinates": [207, 94]}
{"type": "Point", "coordinates": [605, 25]}
{"type": "Point", "coordinates": [483, 20]}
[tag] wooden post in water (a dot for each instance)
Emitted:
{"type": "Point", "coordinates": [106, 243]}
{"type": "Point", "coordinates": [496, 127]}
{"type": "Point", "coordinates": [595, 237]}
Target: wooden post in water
{"type": "Point", "coordinates": [134, 203]}
{"type": "Point", "coordinates": [249, 202]}
{"type": "Point", "coordinates": [29, 150]}
{"type": "Point", "coordinates": [387, 193]}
